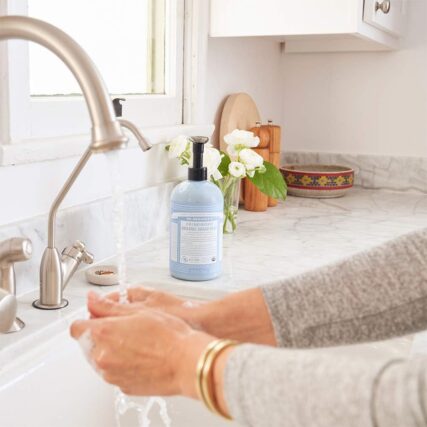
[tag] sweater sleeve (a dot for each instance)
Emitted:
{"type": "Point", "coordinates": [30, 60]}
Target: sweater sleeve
{"type": "Point", "coordinates": [268, 387]}
{"type": "Point", "coordinates": [374, 295]}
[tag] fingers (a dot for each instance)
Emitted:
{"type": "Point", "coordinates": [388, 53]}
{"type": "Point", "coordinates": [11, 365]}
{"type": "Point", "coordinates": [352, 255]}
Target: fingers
{"type": "Point", "coordinates": [103, 307]}
{"type": "Point", "coordinates": [113, 296]}
{"type": "Point", "coordinates": [79, 327]}
{"type": "Point", "coordinates": [135, 294]}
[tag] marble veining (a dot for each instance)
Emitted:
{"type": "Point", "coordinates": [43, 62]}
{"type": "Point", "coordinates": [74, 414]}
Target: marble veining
{"type": "Point", "coordinates": [373, 171]}
{"type": "Point", "coordinates": [146, 215]}
{"type": "Point", "coordinates": [297, 236]}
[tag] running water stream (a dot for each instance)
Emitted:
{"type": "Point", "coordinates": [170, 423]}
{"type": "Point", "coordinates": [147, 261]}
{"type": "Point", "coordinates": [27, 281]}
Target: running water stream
{"type": "Point", "coordinates": [118, 222]}
{"type": "Point", "coordinates": [124, 403]}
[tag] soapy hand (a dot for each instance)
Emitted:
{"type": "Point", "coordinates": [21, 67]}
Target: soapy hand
{"type": "Point", "coordinates": [142, 351]}
{"type": "Point", "coordinates": [144, 297]}
{"type": "Point", "coordinates": [242, 316]}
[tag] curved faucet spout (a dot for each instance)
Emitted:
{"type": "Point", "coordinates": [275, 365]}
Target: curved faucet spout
{"type": "Point", "coordinates": [106, 131]}
{"type": "Point", "coordinates": [107, 134]}
{"type": "Point", "coordinates": [142, 140]}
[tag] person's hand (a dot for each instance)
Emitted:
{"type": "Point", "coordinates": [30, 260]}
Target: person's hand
{"type": "Point", "coordinates": [142, 297]}
{"type": "Point", "coordinates": [142, 351]}
{"type": "Point", "coordinates": [242, 316]}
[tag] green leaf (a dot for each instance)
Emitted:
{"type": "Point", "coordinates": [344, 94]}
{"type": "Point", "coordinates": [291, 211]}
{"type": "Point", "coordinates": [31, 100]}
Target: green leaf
{"type": "Point", "coordinates": [225, 162]}
{"type": "Point", "coordinates": [271, 182]}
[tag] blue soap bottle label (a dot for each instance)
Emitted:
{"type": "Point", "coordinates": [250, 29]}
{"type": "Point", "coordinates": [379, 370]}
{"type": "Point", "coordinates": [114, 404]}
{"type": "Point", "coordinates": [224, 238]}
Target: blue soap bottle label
{"type": "Point", "coordinates": [196, 244]}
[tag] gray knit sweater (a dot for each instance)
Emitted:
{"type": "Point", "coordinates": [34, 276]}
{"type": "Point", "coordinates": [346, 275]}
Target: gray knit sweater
{"type": "Point", "coordinates": [377, 294]}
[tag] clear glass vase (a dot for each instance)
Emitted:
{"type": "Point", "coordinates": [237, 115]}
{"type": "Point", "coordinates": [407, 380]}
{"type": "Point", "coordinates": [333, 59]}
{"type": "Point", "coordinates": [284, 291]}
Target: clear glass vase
{"type": "Point", "coordinates": [230, 188]}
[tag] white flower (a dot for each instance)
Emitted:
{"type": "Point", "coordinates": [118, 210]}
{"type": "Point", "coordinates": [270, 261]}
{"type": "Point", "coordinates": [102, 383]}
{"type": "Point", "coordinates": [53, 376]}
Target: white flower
{"type": "Point", "coordinates": [177, 146]}
{"type": "Point", "coordinates": [212, 160]}
{"type": "Point", "coordinates": [242, 139]}
{"type": "Point", "coordinates": [237, 169]}
{"type": "Point", "coordinates": [251, 159]}
{"type": "Point", "coordinates": [232, 152]}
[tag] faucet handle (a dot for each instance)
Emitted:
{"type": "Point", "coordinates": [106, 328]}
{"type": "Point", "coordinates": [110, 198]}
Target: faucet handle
{"type": "Point", "coordinates": [78, 252]}
{"type": "Point", "coordinates": [87, 257]}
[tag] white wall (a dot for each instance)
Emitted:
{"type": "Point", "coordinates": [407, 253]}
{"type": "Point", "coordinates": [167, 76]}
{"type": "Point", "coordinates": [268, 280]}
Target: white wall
{"type": "Point", "coordinates": [369, 103]}
{"type": "Point", "coordinates": [357, 102]}
{"type": "Point", "coordinates": [247, 65]}
{"type": "Point", "coordinates": [251, 65]}
{"type": "Point", "coordinates": [28, 190]}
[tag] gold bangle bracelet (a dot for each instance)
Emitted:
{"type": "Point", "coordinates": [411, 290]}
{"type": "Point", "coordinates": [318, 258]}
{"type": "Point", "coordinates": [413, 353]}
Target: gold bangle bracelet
{"type": "Point", "coordinates": [205, 366]}
{"type": "Point", "coordinates": [200, 366]}
{"type": "Point", "coordinates": [206, 375]}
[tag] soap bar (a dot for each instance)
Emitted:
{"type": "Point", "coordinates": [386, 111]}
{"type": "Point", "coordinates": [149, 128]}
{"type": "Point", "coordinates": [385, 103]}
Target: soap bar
{"type": "Point", "coordinates": [103, 275]}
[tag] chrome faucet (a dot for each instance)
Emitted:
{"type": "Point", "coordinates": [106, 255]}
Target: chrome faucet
{"type": "Point", "coordinates": [107, 135]}
{"type": "Point", "coordinates": [8, 307]}
{"type": "Point", "coordinates": [13, 250]}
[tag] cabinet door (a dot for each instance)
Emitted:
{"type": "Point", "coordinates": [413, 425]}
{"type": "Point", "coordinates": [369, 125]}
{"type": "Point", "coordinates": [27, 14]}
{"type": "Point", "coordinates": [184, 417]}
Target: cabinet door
{"type": "Point", "coordinates": [386, 15]}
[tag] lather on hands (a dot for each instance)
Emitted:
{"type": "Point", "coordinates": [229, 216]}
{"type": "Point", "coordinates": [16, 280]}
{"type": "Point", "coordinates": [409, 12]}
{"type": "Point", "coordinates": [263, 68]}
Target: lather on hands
{"type": "Point", "coordinates": [242, 316]}
{"type": "Point", "coordinates": [151, 346]}
{"type": "Point", "coordinates": [143, 351]}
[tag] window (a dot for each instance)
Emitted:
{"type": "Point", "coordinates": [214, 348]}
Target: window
{"type": "Point", "coordinates": [136, 44]}
{"type": "Point", "coordinates": [125, 39]}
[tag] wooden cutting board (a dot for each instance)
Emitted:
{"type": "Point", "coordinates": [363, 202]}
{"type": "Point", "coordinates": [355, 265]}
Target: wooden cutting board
{"type": "Point", "coordinates": [239, 112]}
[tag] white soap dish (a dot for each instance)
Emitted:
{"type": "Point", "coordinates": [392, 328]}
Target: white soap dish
{"type": "Point", "coordinates": [103, 275]}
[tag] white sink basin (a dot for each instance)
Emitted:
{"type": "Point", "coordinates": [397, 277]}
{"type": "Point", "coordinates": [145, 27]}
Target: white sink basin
{"type": "Point", "coordinates": [54, 386]}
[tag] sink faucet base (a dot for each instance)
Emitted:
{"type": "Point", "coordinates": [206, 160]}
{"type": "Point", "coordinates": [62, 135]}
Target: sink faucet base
{"type": "Point", "coordinates": [38, 304]}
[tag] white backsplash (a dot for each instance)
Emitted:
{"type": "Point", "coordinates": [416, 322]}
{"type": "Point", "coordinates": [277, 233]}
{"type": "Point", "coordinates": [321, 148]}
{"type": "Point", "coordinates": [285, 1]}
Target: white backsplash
{"type": "Point", "coordinates": [146, 217]}
{"type": "Point", "coordinates": [373, 171]}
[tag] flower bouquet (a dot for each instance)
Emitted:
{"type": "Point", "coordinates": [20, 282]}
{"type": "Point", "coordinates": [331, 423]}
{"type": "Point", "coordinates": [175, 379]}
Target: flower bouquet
{"type": "Point", "coordinates": [226, 169]}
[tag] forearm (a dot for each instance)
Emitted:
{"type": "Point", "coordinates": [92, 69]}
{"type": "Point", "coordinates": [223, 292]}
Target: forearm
{"type": "Point", "coordinates": [242, 316]}
{"type": "Point", "coordinates": [374, 295]}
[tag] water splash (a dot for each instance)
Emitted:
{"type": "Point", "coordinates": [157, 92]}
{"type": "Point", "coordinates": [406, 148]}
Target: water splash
{"type": "Point", "coordinates": [124, 403]}
{"type": "Point", "coordinates": [118, 222]}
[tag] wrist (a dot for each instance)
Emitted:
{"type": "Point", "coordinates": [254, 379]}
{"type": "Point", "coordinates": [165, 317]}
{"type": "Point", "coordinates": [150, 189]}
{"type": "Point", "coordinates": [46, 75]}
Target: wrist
{"type": "Point", "coordinates": [218, 379]}
{"type": "Point", "coordinates": [233, 317]}
{"type": "Point", "coordinates": [190, 350]}
{"type": "Point", "coordinates": [210, 375]}
{"type": "Point", "coordinates": [194, 313]}
{"type": "Point", "coordinates": [207, 317]}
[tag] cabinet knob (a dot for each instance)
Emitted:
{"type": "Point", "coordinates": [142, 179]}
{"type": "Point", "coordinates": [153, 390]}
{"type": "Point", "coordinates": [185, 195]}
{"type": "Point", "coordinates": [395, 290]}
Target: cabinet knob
{"type": "Point", "coordinates": [384, 6]}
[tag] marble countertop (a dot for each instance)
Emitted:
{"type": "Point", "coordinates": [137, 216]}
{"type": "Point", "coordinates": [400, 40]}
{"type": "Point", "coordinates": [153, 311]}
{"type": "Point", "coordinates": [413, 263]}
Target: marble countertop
{"type": "Point", "coordinates": [297, 236]}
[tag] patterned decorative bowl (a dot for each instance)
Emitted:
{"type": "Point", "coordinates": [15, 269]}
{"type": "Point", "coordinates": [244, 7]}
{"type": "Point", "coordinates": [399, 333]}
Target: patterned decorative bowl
{"type": "Point", "coordinates": [318, 181]}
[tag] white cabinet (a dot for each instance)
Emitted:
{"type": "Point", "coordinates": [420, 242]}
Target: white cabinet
{"type": "Point", "coordinates": [313, 25]}
{"type": "Point", "coordinates": [386, 15]}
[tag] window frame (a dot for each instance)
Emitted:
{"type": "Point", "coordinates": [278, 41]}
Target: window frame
{"type": "Point", "coordinates": [24, 119]}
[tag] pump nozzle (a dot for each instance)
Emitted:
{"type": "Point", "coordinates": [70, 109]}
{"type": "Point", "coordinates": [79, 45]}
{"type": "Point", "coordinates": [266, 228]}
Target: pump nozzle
{"type": "Point", "coordinates": [198, 172]}
{"type": "Point", "coordinates": [118, 107]}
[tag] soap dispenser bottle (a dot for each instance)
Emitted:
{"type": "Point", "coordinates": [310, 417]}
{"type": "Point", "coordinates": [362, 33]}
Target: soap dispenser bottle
{"type": "Point", "coordinates": [196, 223]}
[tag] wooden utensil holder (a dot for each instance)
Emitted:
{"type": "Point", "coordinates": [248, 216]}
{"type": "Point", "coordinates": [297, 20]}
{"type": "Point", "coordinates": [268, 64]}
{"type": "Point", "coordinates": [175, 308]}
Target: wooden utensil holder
{"type": "Point", "coordinates": [269, 148]}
